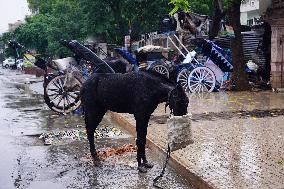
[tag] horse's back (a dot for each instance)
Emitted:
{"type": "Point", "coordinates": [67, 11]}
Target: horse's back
{"type": "Point", "coordinates": [121, 92]}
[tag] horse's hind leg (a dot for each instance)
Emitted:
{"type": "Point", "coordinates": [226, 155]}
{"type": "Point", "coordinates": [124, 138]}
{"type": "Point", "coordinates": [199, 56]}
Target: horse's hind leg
{"type": "Point", "coordinates": [92, 120]}
{"type": "Point", "coordinates": [141, 128]}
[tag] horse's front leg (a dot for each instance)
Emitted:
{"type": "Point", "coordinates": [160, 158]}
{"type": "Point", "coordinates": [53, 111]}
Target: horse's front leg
{"type": "Point", "coordinates": [141, 128]}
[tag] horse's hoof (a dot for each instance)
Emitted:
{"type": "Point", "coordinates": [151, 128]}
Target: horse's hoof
{"type": "Point", "coordinates": [97, 161]}
{"type": "Point", "coordinates": [142, 169]}
{"type": "Point", "coordinates": [148, 165]}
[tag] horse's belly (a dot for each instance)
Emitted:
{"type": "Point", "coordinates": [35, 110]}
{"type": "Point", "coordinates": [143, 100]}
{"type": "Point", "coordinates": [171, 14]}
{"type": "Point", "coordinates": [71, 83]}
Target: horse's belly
{"type": "Point", "coordinates": [121, 110]}
{"type": "Point", "coordinates": [120, 106]}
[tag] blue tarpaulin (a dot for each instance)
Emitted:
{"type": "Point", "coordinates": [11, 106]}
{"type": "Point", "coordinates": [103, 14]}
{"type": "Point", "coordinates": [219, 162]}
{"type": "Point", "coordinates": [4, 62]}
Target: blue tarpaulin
{"type": "Point", "coordinates": [126, 55]}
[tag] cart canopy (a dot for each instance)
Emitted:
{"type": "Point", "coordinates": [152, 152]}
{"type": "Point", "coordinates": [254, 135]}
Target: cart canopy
{"type": "Point", "coordinates": [218, 55]}
{"type": "Point", "coordinates": [126, 55]}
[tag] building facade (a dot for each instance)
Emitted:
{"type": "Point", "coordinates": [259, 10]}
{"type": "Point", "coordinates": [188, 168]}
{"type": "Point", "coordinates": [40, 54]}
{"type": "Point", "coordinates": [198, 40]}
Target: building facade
{"type": "Point", "coordinates": [272, 11]}
{"type": "Point", "coordinates": [15, 25]}
{"type": "Point", "coordinates": [250, 12]}
{"type": "Point", "coordinates": [274, 15]}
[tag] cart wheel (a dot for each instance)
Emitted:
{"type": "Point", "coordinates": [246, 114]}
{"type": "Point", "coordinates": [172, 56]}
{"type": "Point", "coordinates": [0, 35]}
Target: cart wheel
{"type": "Point", "coordinates": [201, 79]}
{"type": "Point", "coordinates": [161, 69]}
{"type": "Point", "coordinates": [182, 78]}
{"type": "Point", "coordinates": [60, 98]}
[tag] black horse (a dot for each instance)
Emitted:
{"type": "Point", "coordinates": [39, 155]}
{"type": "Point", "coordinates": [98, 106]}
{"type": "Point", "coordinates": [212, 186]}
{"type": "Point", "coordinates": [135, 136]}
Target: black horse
{"type": "Point", "coordinates": [137, 93]}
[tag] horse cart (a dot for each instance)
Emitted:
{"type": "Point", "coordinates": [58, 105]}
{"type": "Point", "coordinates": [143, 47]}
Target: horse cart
{"type": "Point", "coordinates": [194, 75]}
{"type": "Point", "coordinates": [62, 85]}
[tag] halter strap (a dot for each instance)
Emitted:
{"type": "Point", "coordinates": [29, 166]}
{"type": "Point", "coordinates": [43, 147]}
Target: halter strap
{"type": "Point", "coordinates": [168, 101]}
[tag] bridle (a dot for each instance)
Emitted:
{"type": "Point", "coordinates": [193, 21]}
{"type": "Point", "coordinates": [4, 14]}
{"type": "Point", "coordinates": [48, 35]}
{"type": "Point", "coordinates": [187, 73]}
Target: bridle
{"type": "Point", "coordinates": [168, 101]}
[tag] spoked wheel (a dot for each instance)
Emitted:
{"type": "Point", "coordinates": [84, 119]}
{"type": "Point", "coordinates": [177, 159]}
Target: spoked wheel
{"type": "Point", "coordinates": [161, 69]}
{"type": "Point", "coordinates": [201, 79]}
{"type": "Point", "coordinates": [62, 98]}
{"type": "Point", "coordinates": [182, 78]}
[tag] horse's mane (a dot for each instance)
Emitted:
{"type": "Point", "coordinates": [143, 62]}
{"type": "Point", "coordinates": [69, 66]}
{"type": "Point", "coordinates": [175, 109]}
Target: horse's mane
{"type": "Point", "coordinates": [159, 76]}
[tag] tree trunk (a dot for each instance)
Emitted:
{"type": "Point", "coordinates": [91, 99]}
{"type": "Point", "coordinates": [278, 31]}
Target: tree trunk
{"type": "Point", "coordinates": [239, 76]}
{"type": "Point", "coordinates": [218, 14]}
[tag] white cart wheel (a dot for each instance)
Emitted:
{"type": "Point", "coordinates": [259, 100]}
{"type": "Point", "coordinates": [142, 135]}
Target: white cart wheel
{"type": "Point", "coordinates": [161, 69]}
{"type": "Point", "coordinates": [60, 98]}
{"type": "Point", "coordinates": [201, 79]}
{"type": "Point", "coordinates": [182, 78]}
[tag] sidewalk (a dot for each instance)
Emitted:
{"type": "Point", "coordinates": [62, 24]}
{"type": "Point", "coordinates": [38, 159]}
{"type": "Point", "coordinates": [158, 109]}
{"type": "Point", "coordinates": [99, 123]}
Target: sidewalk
{"type": "Point", "coordinates": [238, 140]}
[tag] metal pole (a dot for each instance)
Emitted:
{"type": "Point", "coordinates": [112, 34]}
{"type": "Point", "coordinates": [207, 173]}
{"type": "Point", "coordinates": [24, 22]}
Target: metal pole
{"type": "Point", "coordinates": [176, 46]}
{"type": "Point", "coordinates": [181, 43]}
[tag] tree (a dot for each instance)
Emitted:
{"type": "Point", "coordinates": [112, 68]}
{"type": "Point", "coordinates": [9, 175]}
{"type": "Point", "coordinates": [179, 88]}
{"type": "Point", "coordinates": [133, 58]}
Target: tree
{"type": "Point", "coordinates": [179, 5]}
{"type": "Point", "coordinates": [61, 19]}
{"type": "Point", "coordinates": [111, 19]}
{"type": "Point", "coordinates": [218, 15]}
{"type": "Point", "coordinates": [239, 75]}
{"type": "Point", "coordinates": [42, 6]}
{"type": "Point", "coordinates": [201, 7]}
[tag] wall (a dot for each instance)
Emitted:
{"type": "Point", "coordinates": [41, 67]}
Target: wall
{"type": "Point", "coordinates": [263, 5]}
{"type": "Point", "coordinates": [244, 18]}
{"type": "Point", "coordinates": [250, 5]}
{"type": "Point", "coordinates": [277, 56]}
{"type": "Point", "coordinates": [275, 17]}
{"type": "Point", "coordinates": [249, 10]}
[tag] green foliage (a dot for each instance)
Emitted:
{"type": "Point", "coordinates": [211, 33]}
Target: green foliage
{"type": "Point", "coordinates": [198, 6]}
{"type": "Point", "coordinates": [179, 5]}
{"type": "Point", "coordinates": [43, 6]}
{"type": "Point", "coordinates": [61, 19]}
{"type": "Point", "coordinates": [110, 20]}
{"type": "Point", "coordinates": [202, 6]}
{"type": "Point", "coordinates": [4, 40]}
{"type": "Point", "coordinates": [78, 19]}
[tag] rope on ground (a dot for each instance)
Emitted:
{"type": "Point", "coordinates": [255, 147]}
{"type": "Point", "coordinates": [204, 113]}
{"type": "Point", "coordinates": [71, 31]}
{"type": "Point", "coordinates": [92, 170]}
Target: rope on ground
{"type": "Point", "coordinates": [164, 168]}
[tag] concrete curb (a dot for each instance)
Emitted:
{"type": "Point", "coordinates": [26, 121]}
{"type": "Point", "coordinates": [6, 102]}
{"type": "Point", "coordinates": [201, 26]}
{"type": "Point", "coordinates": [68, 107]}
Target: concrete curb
{"type": "Point", "coordinates": [193, 179]}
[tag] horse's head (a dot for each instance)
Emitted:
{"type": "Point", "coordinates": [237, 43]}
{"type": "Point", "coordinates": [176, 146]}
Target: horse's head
{"type": "Point", "coordinates": [178, 101]}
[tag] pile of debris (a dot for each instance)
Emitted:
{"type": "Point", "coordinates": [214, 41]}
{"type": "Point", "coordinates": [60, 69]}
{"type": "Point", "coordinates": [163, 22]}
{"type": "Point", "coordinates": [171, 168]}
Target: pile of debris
{"type": "Point", "coordinates": [78, 134]}
{"type": "Point", "coordinates": [108, 152]}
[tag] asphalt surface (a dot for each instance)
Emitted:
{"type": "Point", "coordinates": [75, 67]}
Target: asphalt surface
{"type": "Point", "coordinates": [26, 162]}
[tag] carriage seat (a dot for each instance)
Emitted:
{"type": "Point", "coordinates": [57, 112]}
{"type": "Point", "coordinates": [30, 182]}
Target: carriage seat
{"type": "Point", "coordinates": [64, 63]}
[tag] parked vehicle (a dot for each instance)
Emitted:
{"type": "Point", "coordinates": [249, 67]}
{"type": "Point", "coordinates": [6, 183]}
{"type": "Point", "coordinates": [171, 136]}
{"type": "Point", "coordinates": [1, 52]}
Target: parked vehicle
{"type": "Point", "coordinates": [10, 63]}
{"type": "Point", "coordinates": [39, 62]}
{"type": "Point", "coordinates": [62, 87]}
{"type": "Point", "coordinates": [193, 75]}
{"type": "Point", "coordinates": [20, 64]}
{"type": "Point", "coordinates": [62, 93]}
{"type": "Point", "coordinates": [7, 63]}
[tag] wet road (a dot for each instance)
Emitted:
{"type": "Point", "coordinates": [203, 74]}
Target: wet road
{"type": "Point", "coordinates": [26, 162]}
